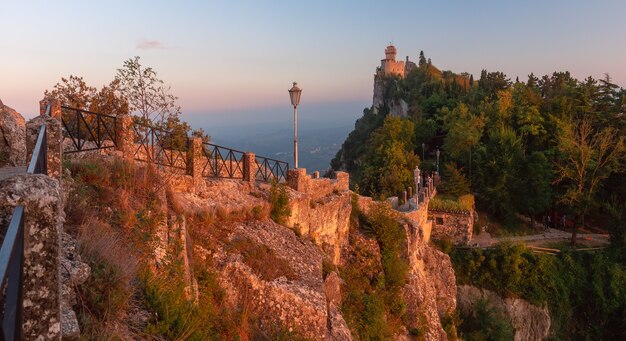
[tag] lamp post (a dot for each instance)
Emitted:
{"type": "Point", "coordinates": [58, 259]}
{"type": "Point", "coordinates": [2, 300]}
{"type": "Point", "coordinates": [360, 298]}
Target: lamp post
{"type": "Point", "coordinates": [294, 94]}
{"type": "Point", "coordinates": [437, 160]}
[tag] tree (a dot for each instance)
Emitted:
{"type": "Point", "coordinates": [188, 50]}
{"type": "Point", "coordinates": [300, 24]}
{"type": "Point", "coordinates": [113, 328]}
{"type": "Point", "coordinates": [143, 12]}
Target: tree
{"type": "Point", "coordinates": [454, 182]}
{"type": "Point", "coordinates": [72, 92]}
{"type": "Point", "coordinates": [422, 59]}
{"type": "Point", "coordinates": [147, 95]}
{"type": "Point", "coordinates": [535, 192]}
{"type": "Point", "coordinates": [390, 158]}
{"type": "Point", "coordinates": [587, 157]}
{"type": "Point", "coordinates": [464, 132]}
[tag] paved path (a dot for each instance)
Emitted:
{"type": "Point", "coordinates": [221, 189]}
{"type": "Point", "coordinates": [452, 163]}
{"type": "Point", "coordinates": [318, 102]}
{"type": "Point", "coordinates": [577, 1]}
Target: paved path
{"type": "Point", "coordinates": [7, 172]}
{"type": "Point", "coordinates": [484, 239]}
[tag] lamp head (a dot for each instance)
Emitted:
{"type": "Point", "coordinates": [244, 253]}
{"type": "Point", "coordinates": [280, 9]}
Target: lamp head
{"type": "Point", "coordinates": [294, 94]}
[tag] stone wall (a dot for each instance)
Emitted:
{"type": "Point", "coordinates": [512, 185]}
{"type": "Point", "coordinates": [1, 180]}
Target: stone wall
{"type": "Point", "coordinates": [41, 197]}
{"type": "Point", "coordinates": [458, 226]}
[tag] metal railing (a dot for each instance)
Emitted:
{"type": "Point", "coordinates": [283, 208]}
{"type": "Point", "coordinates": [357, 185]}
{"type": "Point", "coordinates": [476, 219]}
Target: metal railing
{"type": "Point", "coordinates": [12, 252]}
{"type": "Point", "coordinates": [222, 162]}
{"type": "Point", "coordinates": [268, 169]}
{"type": "Point", "coordinates": [159, 146]}
{"type": "Point", "coordinates": [88, 130]}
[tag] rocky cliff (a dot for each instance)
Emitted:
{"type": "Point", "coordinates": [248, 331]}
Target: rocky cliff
{"type": "Point", "coordinates": [530, 322]}
{"type": "Point", "coordinates": [291, 275]}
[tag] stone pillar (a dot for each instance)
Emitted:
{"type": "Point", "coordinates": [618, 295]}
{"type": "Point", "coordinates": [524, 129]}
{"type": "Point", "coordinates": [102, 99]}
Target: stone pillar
{"type": "Point", "coordinates": [297, 179]}
{"type": "Point", "coordinates": [54, 143]}
{"type": "Point", "coordinates": [125, 136]}
{"type": "Point", "coordinates": [194, 159]}
{"type": "Point", "coordinates": [316, 175]}
{"type": "Point", "coordinates": [249, 167]}
{"type": "Point", "coordinates": [410, 189]}
{"type": "Point", "coordinates": [40, 196]}
{"type": "Point", "coordinates": [343, 181]}
{"type": "Point", "coordinates": [404, 197]}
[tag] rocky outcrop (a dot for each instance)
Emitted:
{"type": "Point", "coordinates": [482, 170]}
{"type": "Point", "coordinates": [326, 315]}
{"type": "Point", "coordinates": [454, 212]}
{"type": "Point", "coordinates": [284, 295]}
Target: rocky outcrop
{"type": "Point", "coordinates": [74, 272]}
{"type": "Point", "coordinates": [12, 137]}
{"type": "Point", "coordinates": [530, 322]}
{"type": "Point", "coordinates": [282, 282]}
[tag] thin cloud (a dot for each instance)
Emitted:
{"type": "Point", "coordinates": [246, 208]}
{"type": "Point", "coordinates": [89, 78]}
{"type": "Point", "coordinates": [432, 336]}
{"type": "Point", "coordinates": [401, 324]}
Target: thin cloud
{"type": "Point", "coordinates": [149, 45]}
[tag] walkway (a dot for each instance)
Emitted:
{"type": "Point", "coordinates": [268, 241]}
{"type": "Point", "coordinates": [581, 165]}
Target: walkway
{"type": "Point", "coordinates": [484, 239]}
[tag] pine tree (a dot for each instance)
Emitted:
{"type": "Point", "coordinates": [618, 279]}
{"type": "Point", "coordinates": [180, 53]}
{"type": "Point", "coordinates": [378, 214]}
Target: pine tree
{"type": "Point", "coordinates": [422, 59]}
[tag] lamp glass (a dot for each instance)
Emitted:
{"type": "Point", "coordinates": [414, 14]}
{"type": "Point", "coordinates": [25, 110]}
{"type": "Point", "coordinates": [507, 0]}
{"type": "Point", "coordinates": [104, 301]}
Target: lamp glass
{"type": "Point", "coordinates": [294, 94]}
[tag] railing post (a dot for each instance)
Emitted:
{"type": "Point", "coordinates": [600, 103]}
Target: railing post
{"type": "Point", "coordinates": [125, 135]}
{"type": "Point", "coordinates": [54, 136]}
{"type": "Point", "coordinates": [249, 167]}
{"type": "Point", "coordinates": [297, 179]}
{"type": "Point", "coordinates": [194, 159]}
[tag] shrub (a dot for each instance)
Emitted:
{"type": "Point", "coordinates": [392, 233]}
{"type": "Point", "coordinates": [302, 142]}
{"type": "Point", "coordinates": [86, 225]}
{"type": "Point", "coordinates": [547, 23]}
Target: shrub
{"type": "Point", "coordinates": [279, 202]}
{"type": "Point", "coordinates": [486, 322]}
{"type": "Point", "coordinates": [464, 203]}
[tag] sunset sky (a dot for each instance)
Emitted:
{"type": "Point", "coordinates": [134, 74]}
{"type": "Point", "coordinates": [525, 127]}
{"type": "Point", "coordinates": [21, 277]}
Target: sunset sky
{"type": "Point", "coordinates": [232, 61]}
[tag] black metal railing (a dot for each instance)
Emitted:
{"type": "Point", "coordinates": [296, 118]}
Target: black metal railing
{"type": "Point", "coordinates": [268, 169]}
{"type": "Point", "coordinates": [160, 146]}
{"type": "Point", "coordinates": [12, 252]}
{"type": "Point", "coordinates": [88, 130]}
{"type": "Point", "coordinates": [222, 162]}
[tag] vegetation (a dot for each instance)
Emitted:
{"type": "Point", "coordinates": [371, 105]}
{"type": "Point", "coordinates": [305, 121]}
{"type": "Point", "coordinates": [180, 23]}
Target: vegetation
{"type": "Point", "coordinates": [464, 203]}
{"type": "Point", "coordinates": [373, 305]}
{"type": "Point", "coordinates": [114, 209]}
{"type": "Point", "coordinates": [583, 291]}
{"type": "Point", "coordinates": [279, 202]}
{"type": "Point", "coordinates": [486, 322]}
{"type": "Point", "coordinates": [548, 144]}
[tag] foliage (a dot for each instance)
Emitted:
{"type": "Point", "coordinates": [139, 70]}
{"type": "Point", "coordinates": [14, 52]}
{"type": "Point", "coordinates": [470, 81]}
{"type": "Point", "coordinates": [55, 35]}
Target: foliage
{"type": "Point", "coordinates": [464, 203]}
{"type": "Point", "coordinates": [587, 157]}
{"type": "Point", "coordinates": [373, 305]}
{"type": "Point", "coordinates": [147, 95]}
{"type": "Point", "coordinates": [454, 183]}
{"type": "Point", "coordinates": [387, 168]}
{"type": "Point", "coordinates": [512, 141]}
{"type": "Point", "coordinates": [486, 322]}
{"type": "Point", "coordinates": [279, 202]}
{"type": "Point", "coordinates": [583, 291]}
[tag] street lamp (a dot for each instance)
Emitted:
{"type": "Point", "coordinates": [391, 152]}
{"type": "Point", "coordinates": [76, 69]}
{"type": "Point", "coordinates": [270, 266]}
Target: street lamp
{"type": "Point", "coordinates": [437, 160]}
{"type": "Point", "coordinates": [294, 94]}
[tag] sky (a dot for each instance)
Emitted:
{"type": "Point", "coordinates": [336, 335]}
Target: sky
{"type": "Point", "coordinates": [231, 62]}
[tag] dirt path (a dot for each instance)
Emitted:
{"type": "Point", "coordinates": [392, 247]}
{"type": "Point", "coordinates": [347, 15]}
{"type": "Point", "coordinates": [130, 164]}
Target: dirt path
{"type": "Point", "coordinates": [484, 239]}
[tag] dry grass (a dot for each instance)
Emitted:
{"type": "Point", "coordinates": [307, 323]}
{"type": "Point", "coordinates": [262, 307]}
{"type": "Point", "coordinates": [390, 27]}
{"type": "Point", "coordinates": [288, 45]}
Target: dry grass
{"type": "Point", "coordinates": [261, 259]}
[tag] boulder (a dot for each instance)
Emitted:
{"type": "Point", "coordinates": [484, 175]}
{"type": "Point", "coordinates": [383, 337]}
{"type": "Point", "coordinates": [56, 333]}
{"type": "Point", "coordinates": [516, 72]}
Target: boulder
{"type": "Point", "coordinates": [12, 137]}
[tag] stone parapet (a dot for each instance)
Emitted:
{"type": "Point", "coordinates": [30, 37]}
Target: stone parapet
{"type": "Point", "coordinates": [125, 136]}
{"type": "Point", "coordinates": [40, 195]}
{"type": "Point", "coordinates": [54, 142]}
{"type": "Point", "coordinates": [298, 180]}
{"type": "Point", "coordinates": [458, 226]}
{"type": "Point", "coordinates": [249, 167]}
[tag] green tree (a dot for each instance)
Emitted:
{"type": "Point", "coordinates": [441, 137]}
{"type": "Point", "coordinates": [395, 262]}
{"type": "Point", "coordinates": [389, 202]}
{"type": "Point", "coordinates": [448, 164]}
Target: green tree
{"type": "Point", "coordinates": [454, 182]}
{"type": "Point", "coordinates": [499, 171]}
{"type": "Point", "coordinates": [535, 191]}
{"type": "Point", "coordinates": [464, 132]}
{"type": "Point", "coordinates": [389, 162]}
{"type": "Point", "coordinates": [587, 157]}
{"type": "Point", "coordinates": [147, 95]}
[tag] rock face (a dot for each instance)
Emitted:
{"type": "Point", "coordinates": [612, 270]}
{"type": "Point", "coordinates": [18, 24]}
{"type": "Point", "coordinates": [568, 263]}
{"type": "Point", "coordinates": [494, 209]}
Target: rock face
{"type": "Point", "coordinates": [530, 322]}
{"type": "Point", "coordinates": [12, 137]}
{"type": "Point", "coordinates": [74, 272]}
{"type": "Point", "coordinates": [289, 290]}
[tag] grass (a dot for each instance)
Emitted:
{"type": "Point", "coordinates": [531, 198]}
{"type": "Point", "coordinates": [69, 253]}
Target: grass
{"type": "Point", "coordinates": [463, 203]}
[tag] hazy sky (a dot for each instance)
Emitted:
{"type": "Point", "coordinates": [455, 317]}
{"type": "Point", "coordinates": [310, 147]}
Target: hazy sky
{"type": "Point", "coordinates": [226, 59]}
